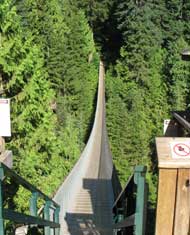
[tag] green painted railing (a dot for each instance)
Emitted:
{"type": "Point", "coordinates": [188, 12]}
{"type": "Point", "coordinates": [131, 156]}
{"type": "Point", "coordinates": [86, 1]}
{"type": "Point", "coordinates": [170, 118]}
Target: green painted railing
{"type": "Point", "coordinates": [129, 209]}
{"type": "Point", "coordinates": [50, 207]}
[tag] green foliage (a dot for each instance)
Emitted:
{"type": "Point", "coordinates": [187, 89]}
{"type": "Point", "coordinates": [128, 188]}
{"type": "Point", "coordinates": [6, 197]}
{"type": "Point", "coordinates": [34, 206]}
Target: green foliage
{"type": "Point", "coordinates": [179, 74]}
{"type": "Point", "coordinates": [47, 55]}
{"type": "Point", "coordinates": [100, 15]}
{"type": "Point", "coordinates": [79, 72]}
{"type": "Point", "coordinates": [96, 11]}
{"type": "Point", "coordinates": [24, 79]}
{"type": "Point", "coordinates": [148, 81]}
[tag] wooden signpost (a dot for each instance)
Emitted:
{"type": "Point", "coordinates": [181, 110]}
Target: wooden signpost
{"type": "Point", "coordinates": [2, 145]}
{"type": "Point", "coordinates": [173, 206]}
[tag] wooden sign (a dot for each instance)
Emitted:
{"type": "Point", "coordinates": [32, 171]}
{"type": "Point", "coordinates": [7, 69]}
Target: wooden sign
{"type": "Point", "coordinates": [173, 152]}
{"type": "Point", "coordinates": [180, 150]}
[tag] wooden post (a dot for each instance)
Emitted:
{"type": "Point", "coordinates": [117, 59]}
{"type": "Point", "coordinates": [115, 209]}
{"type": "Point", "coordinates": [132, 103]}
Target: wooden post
{"type": "Point", "coordinates": [5, 155]}
{"type": "Point", "coordinates": [182, 215]}
{"type": "Point", "coordinates": [1, 202]}
{"type": "Point", "coordinates": [2, 145]}
{"type": "Point", "coordinates": [173, 205]}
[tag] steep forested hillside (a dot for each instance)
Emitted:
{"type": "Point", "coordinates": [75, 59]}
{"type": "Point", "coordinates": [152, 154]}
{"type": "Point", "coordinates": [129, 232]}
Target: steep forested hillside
{"type": "Point", "coordinates": [47, 59]}
{"type": "Point", "coordinates": [148, 79]}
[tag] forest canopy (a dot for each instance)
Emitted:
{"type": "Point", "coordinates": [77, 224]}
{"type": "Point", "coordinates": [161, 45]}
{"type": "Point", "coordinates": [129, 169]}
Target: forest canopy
{"type": "Point", "coordinates": [49, 54]}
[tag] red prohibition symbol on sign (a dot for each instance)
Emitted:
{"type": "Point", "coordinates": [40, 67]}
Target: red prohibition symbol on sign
{"type": "Point", "coordinates": [181, 150]}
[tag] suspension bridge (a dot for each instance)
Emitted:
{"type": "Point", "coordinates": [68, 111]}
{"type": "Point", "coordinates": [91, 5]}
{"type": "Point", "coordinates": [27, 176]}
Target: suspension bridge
{"type": "Point", "coordinates": [90, 201]}
{"type": "Point", "coordinates": [87, 192]}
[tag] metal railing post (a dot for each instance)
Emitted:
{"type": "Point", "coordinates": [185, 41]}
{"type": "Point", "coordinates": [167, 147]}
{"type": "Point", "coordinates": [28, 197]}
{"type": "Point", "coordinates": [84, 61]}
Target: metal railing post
{"type": "Point", "coordinates": [32, 220]}
{"type": "Point", "coordinates": [140, 181]}
{"type": "Point", "coordinates": [56, 220]}
{"type": "Point", "coordinates": [1, 202]}
{"type": "Point", "coordinates": [47, 216]}
{"type": "Point", "coordinates": [33, 204]}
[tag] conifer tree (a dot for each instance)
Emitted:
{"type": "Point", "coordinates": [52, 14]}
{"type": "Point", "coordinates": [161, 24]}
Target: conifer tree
{"type": "Point", "coordinates": [143, 88]}
{"type": "Point", "coordinates": [34, 143]}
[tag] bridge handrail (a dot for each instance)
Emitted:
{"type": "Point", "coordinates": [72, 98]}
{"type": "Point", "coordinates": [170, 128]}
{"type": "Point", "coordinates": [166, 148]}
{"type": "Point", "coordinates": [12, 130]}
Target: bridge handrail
{"type": "Point", "coordinates": [33, 218]}
{"type": "Point", "coordinates": [20, 180]}
{"type": "Point", "coordinates": [129, 208]}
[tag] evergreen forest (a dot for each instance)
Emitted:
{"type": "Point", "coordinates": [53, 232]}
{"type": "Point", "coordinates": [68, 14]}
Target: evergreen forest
{"type": "Point", "coordinates": [49, 57]}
